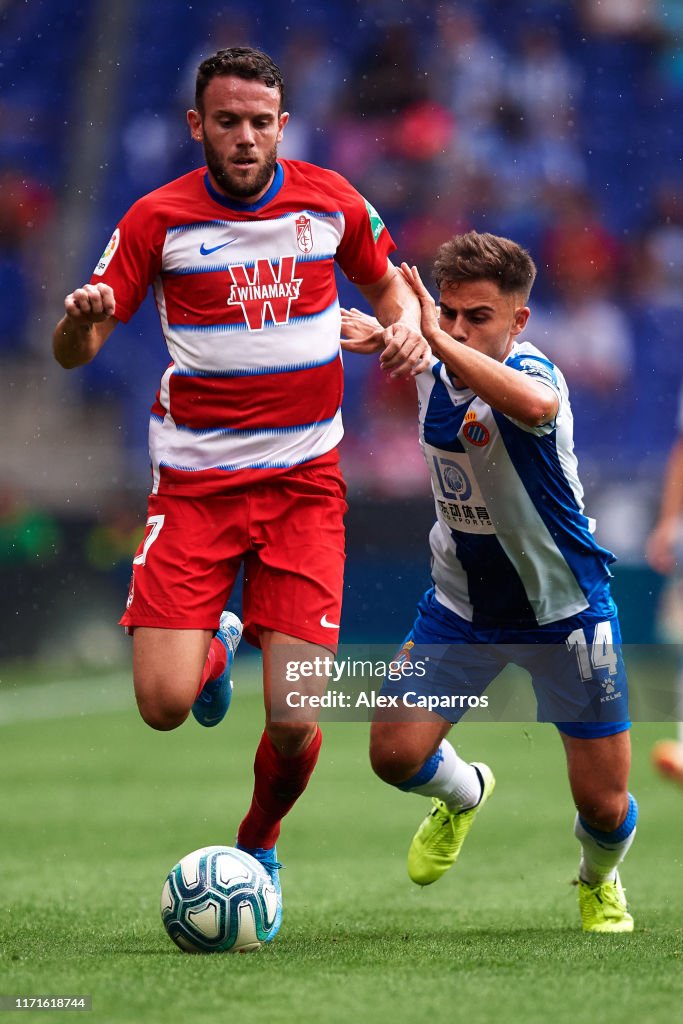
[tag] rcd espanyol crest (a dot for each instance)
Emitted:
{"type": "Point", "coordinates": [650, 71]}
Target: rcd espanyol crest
{"type": "Point", "coordinates": [304, 234]}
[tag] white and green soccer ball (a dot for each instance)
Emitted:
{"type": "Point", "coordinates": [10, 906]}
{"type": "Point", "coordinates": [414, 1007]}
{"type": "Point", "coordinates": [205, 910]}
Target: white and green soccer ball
{"type": "Point", "coordinates": [218, 900]}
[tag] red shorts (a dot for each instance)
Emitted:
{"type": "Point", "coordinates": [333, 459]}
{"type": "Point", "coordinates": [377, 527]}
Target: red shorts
{"type": "Point", "coordinates": [288, 532]}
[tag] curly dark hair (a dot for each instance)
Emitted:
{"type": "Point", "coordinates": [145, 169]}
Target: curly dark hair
{"type": "Point", "coordinates": [243, 62]}
{"type": "Point", "coordinates": [485, 257]}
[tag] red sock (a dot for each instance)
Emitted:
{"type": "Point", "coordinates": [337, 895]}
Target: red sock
{"type": "Point", "coordinates": [215, 663]}
{"type": "Point", "coordinates": [278, 783]}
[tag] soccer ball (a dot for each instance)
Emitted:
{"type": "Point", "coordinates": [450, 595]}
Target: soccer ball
{"type": "Point", "coordinates": [218, 900]}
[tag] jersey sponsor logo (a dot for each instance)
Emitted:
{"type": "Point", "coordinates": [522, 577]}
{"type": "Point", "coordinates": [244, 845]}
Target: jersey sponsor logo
{"type": "Point", "coordinates": [376, 222]}
{"type": "Point", "coordinates": [534, 368]}
{"type": "Point", "coordinates": [265, 289]}
{"type": "Point", "coordinates": [207, 252]}
{"type": "Point", "coordinates": [304, 233]}
{"type": "Point", "coordinates": [455, 482]}
{"type": "Point", "coordinates": [108, 254]}
{"type": "Point", "coordinates": [459, 501]}
{"type": "Point", "coordinates": [476, 433]}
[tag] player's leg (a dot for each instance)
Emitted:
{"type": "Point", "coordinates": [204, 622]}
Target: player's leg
{"type": "Point", "coordinates": [290, 743]}
{"type": "Point", "coordinates": [415, 756]}
{"type": "Point", "coordinates": [293, 585]}
{"type": "Point", "coordinates": [286, 755]}
{"type": "Point", "coordinates": [605, 825]}
{"type": "Point", "coordinates": [408, 745]}
{"type": "Point", "coordinates": [581, 684]}
{"type": "Point", "coordinates": [183, 572]}
{"type": "Point", "coordinates": [167, 668]}
{"type": "Point", "coordinates": [175, 670]}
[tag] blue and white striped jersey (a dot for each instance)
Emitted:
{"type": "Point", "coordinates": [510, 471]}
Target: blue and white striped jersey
{"type": "Point", "coordinates": [511, 546]}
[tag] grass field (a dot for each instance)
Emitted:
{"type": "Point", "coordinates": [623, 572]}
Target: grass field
{"type": "Point", "coordinates": [96, 807]}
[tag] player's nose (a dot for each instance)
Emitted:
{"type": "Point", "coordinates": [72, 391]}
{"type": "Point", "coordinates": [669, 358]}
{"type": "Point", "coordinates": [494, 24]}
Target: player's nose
{"type": "Point", "coordinates": [245, 134]}
{"type": "Point", "coordinates": [458, 331]}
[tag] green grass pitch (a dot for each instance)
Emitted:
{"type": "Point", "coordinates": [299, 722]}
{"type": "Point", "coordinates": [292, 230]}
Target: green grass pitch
{"type": "Point", "coordinates": [95, 808]}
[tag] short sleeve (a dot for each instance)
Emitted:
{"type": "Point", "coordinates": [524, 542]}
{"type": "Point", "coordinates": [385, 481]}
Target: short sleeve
{"type": "Point", "coordinates": [538, 367]}
{"type": "Point", "coordinates": [131, 260]}
{"type": "Point", "coordinates": [366, 243]}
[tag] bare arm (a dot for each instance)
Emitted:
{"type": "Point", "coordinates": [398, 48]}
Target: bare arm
{"type": "Point", "coordinates": [87, 323]}
{"type": "Point", "coordinates": [661, 544]}
{"type": "Point", "coordinates": [404, 349]}
{"type": "Point", "coordinates": [513, 393]}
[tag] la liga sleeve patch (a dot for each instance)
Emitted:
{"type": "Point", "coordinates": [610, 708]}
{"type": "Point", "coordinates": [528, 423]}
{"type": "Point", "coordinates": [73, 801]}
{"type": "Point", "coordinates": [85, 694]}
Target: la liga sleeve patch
{"type": "Point", "coordinates": [108, 254]}
{"type": "Point", "coordinates": [376, 222]}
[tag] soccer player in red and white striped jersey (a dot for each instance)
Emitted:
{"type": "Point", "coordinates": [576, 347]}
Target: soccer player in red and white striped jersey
{"type": "Point", "coordinates": [245, 426]}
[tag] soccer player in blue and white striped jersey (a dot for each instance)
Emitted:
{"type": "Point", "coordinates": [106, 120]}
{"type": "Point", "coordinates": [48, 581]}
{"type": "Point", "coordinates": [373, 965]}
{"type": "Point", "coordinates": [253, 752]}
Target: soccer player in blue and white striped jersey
{"type": "Point", "coordinates": [517, 574]}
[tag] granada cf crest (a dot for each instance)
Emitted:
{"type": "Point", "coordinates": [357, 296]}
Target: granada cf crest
{"type": "Point", "coordinates": [304, 234]}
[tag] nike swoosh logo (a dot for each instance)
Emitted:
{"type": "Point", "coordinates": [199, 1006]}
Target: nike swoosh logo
{"type": "Point", "coordinates": [207, 252]}
{"type": "Point", "coordinates": [328, 625]}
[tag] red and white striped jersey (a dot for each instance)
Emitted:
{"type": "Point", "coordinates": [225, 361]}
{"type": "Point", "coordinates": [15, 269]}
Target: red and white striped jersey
{"type": "Point", "coordinates": [248, 305]}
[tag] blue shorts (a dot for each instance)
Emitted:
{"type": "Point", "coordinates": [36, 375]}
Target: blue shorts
{"type": "Point", "coordinates": [576, 667]}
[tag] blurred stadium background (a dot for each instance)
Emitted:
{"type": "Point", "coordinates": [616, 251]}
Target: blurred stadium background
{"type": "Point", "coordinates": [553, 121]}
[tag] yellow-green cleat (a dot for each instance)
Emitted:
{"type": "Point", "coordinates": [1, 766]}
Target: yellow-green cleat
{"type": "Point", "coordinates": [438, 840]}
{"type": "Point", "coordinates": [603, 907]}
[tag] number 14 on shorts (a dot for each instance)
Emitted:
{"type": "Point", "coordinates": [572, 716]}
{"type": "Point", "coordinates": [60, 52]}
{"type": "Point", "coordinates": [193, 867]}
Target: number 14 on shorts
{"type": "Point", "coordinates": [601, 654]}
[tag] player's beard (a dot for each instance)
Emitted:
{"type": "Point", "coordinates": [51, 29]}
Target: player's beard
{"type": "Point", "coordinates": [234, 186]}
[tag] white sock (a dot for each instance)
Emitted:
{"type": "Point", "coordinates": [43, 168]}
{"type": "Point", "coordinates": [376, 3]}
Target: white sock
{"type": "Point", "coordinates": [602, 852]}
{"type": "Point", "coordinates": [448, 777]}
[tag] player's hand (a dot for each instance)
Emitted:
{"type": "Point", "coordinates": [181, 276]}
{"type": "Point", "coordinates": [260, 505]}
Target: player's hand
{"type": "Point", "coordinates": [428, 308]}
{"type": "Point", "coordinates": [660, 549]}
{"type": "Point", "coordinates": [91, 304]}
{"type": "Point", "coordinates": [361, 333]}
{"type": "Point", "coordinates": [406, 352]}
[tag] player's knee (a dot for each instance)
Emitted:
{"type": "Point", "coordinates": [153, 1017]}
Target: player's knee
{"type": "Point", "coordinates": [392, 764]}
{"type": "Point", "coordinates": [291, 738]}
{"type": "Point", "coordinates": [603, 811]}
{"type": "Point", "coordinates": [162, 715]}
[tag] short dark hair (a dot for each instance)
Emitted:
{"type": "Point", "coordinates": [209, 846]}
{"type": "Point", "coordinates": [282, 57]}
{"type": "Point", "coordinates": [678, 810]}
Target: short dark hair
{"type": "Point", "coordinates": [485, 257]}
{"type": "Point", "coordinates": [243, 62]}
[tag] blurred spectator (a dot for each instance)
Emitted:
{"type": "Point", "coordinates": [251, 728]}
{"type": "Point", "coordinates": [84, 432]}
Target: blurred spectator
{"type": "Point", "coordinates": [467, 71]}
{"type": "Point", "coordinates": [26, 209]}
{"type": "Point", "coordinates": [544, 81]}
{"type": "Point", "coordinates": [386, 78]}
{"type": "Point", "coordinates": [657, 273]}
{"type": "Point", "coordinates": [386, 458]}
{"type": "Point", "coordinates": [589, 338]}
{"type": "Point", "coordinates": [111, 544]}
{"type": "Point", "coordinates": [315, 73]}
{"type": "Point", "coordinates": [581, 254]}
{"type": "Point", "coordinates": [621, 18]}
{"type": "Point", "coordinates": [28, 535]}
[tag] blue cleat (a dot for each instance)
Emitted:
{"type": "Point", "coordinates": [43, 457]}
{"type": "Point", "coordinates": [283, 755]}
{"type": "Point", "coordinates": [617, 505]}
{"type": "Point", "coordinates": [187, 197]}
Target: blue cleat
{"type": "Point", "coordinates": [268, 860]}
{"type": "Point", "coordinates": [211, 706]}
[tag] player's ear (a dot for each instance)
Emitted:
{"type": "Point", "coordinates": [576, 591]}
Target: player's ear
{"type": "Point", "coordinates": [282, 121]}
{"type": "Point", "coordinates": [194, 120]}
{"type": "Point", "coordinates": [522, 314]}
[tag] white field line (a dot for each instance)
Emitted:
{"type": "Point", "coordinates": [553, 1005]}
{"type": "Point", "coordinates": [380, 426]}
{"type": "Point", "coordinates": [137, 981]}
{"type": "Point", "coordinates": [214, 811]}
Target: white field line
{"type": "Point", "coordinates": [66, 699]}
